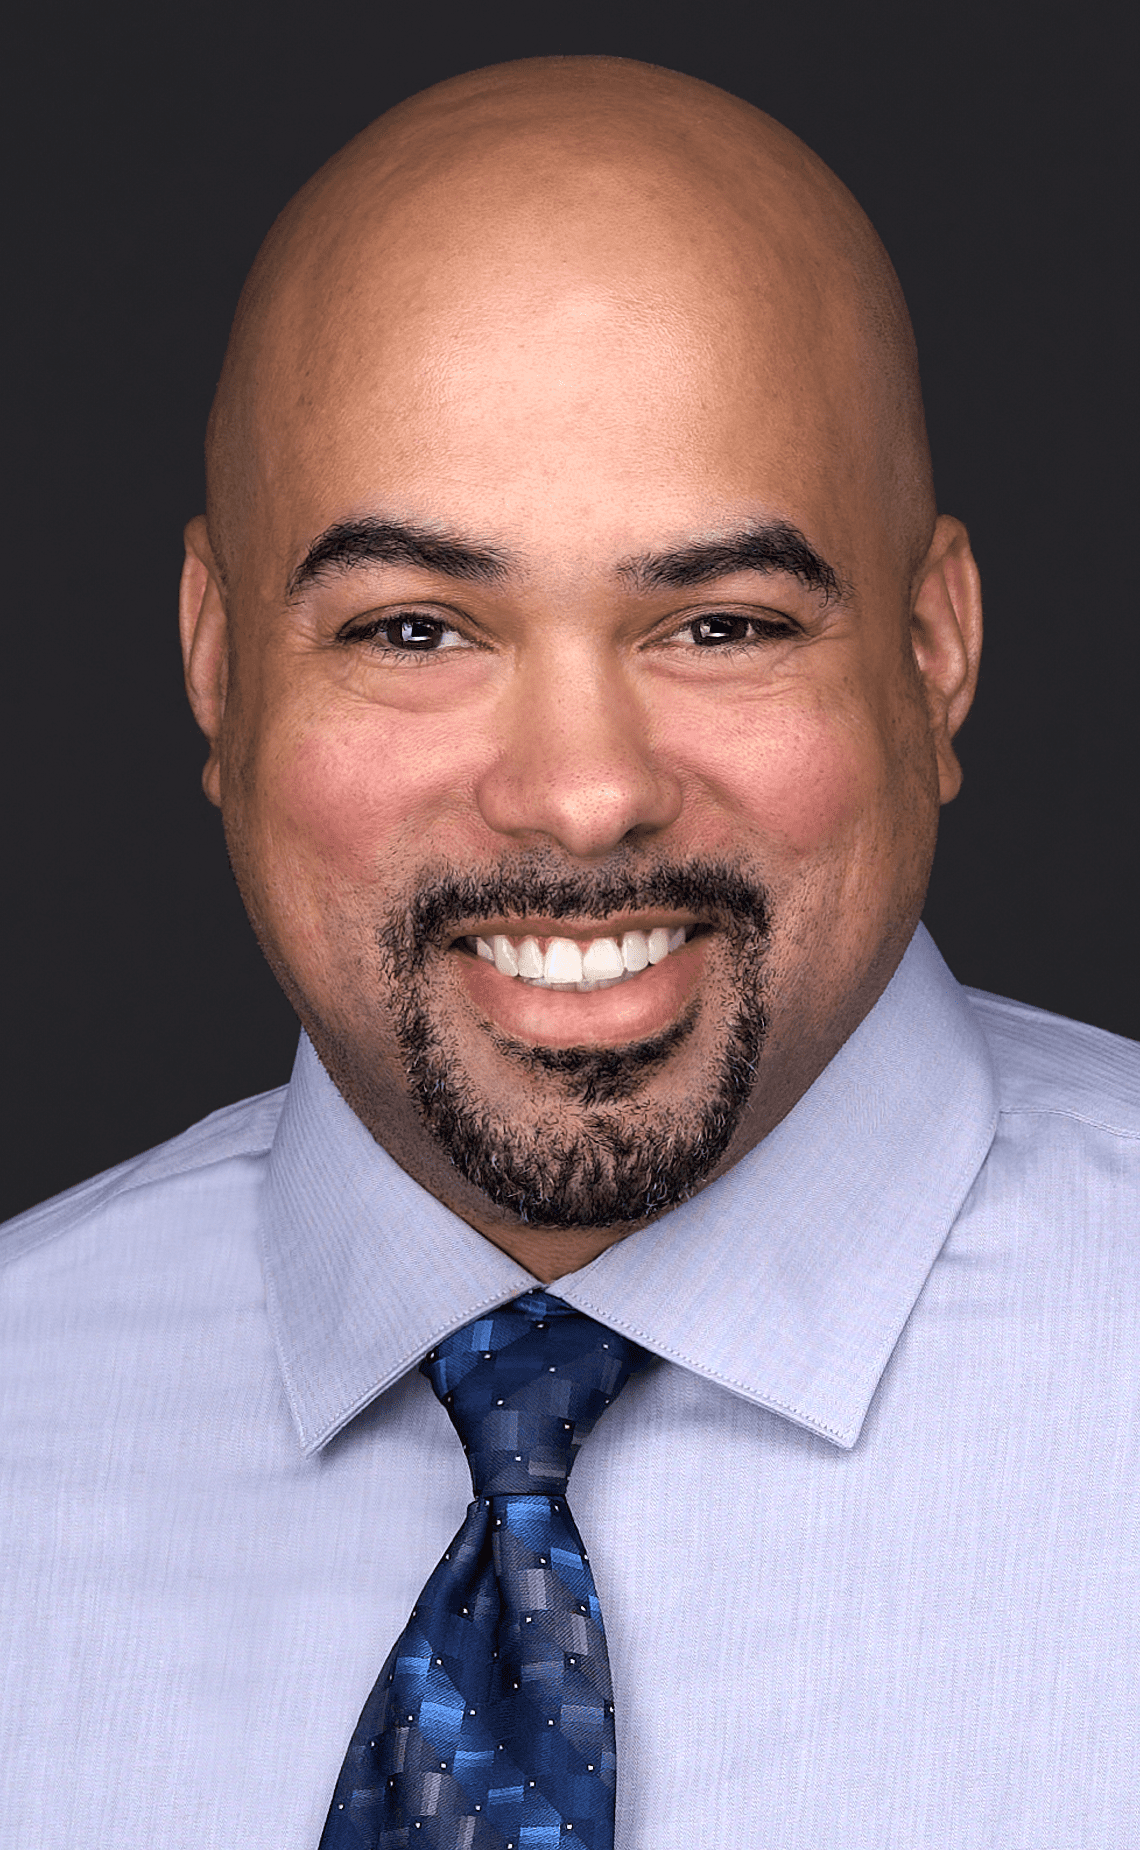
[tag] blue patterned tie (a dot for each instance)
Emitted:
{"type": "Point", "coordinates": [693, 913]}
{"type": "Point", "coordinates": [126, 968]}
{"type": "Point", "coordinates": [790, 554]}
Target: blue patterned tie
{"type": "Point", "coordinates": [491, 1726]}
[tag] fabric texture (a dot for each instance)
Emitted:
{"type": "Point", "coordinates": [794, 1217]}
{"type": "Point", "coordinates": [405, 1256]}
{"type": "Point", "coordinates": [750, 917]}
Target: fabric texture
{"type": "Point", "coordinates": [881, 1463]}
{"type": "Point", "coordinates": [491, 1726]}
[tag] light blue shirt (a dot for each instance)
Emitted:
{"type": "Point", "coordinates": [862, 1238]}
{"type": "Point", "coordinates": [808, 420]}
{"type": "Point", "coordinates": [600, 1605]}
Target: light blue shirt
{"type": "Point", "coordinates": [865, 1535]}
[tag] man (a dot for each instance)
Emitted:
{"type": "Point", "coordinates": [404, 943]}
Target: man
{"type": "Point", "coordinates": [580, 655]}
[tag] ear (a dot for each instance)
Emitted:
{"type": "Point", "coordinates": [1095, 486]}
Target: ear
{"type": "Point", "coordinates": [946, 636]}
{"type": "Point", "coordinates": [205, 644]}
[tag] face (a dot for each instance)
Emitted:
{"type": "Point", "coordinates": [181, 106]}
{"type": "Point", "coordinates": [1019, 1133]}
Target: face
{"type": "Point", "coordinates": [577, 738]}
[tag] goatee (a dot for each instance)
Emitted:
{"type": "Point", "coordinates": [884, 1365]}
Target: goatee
{"type": "Point", "coordinates": [603, 1154]}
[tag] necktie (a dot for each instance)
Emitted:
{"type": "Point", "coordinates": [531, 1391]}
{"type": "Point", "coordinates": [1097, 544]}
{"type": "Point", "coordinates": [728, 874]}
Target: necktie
{"type": "Point", "coordinates": [491, 1726]}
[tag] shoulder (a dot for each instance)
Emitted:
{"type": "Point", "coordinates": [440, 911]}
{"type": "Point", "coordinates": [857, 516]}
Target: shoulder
{"type": "Point", "coordinates": [1048, 1065]}
{"type": "Point", "coordinates": [236, 1132]}
{"type": "Point", "coordinates": [1050, 1225]}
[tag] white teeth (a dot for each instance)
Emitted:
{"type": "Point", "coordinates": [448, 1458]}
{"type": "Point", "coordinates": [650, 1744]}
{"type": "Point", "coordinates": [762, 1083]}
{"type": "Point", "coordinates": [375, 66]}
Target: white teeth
{"type": "Point", "coordinates": [506, 959]}
{"type": "Point", "coordinates": [659, 945]}
{"type": "Point", "coordinates": [563, 963]}
{"type": "Point", "coordinates": [603, 959]}
{"type": "Point", "coordinates": [530, 960]}
{"type": "Point", "coordinates": [566, 965]}
{"type": "Point", "coordinates": [635, 950]}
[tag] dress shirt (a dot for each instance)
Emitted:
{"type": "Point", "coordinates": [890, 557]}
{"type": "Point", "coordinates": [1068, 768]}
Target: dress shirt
{"type": "Point", "coordinates": [864, 1532]}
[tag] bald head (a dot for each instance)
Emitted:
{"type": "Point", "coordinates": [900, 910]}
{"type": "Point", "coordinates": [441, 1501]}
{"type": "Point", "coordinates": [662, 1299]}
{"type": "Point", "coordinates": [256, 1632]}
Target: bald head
{"type": "Point", "coordinates": [571, 201]}
{"type": "Point", "coordinates": [571, 555]}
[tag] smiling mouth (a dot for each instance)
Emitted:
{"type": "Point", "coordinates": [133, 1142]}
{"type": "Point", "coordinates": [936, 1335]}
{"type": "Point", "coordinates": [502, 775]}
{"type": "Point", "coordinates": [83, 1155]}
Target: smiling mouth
{"type": "Point", "coordinates": [582, 964]}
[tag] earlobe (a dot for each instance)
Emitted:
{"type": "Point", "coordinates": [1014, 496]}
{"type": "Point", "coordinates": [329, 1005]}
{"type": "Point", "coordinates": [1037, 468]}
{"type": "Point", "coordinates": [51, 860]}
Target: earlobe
{"type": "Point", "coordinates": [203, 625]}
{"type": "Point", "coordinates": [946, 636]}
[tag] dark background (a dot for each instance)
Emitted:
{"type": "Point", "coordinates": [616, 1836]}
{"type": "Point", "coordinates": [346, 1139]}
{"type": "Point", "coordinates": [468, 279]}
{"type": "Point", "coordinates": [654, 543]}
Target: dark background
{"type": "Point", "coordinates": [150, 155]}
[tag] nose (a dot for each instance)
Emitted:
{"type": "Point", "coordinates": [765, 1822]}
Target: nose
{"type": "Point", "coordinates": [577, 764]}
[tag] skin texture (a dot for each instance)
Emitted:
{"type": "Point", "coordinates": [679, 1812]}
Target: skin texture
{"type": "Point", "coordinates": [577, 312]}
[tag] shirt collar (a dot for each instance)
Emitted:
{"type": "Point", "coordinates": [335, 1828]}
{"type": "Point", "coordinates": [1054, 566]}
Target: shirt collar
{"type": "Point", "coordinates": [786, 1281]}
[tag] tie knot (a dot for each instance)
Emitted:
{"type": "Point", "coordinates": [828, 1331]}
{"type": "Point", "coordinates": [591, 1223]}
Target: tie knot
{"type": "Point", "coordinates": [524, 1387]}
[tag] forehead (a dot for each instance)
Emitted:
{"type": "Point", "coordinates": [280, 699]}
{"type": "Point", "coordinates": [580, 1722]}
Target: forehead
{"type": "Point", "coordinates": [614, 359]}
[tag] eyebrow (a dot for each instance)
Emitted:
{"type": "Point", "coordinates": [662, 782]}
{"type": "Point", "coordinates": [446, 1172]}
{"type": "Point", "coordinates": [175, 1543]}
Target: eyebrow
{"type": "Point", "coordinates": [763, 546]}
{"type": "Point", "coordinates": [770, 547]}
{"type": "Point", "coordinates": [388, 542]}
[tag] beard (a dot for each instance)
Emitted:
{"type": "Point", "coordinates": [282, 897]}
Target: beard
{"type": "Point", "coordinates": [602, 1153]}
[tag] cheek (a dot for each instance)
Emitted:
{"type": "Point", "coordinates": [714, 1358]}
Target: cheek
{"type": "Point", "coordinates": [352, 795]}
{"type": "Point", "coordinates": [804, 776]}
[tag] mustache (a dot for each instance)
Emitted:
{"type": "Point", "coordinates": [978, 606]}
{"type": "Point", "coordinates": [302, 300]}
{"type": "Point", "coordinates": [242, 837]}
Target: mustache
{"type": "Point", "coordinates": [445, 897]}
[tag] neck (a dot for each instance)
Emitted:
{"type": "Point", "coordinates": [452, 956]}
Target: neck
{"type": "Point", "coordinates": [549, 1252]}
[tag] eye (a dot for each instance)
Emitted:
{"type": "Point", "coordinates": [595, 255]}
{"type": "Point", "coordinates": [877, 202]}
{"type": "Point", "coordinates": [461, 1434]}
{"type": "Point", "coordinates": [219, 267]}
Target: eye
{"type": "Point", "coordinates": [726, 628]}
{"type": "Point", "coordinates": [410, 632]}
{"type": "Point", "coordinates": [422, 634]}
{"type": "Point", "coordinates": [721, 626]}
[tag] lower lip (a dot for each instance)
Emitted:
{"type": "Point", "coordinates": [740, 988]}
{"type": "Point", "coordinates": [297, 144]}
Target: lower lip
{"type": "Point", "coordinates": [642, 1006]}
